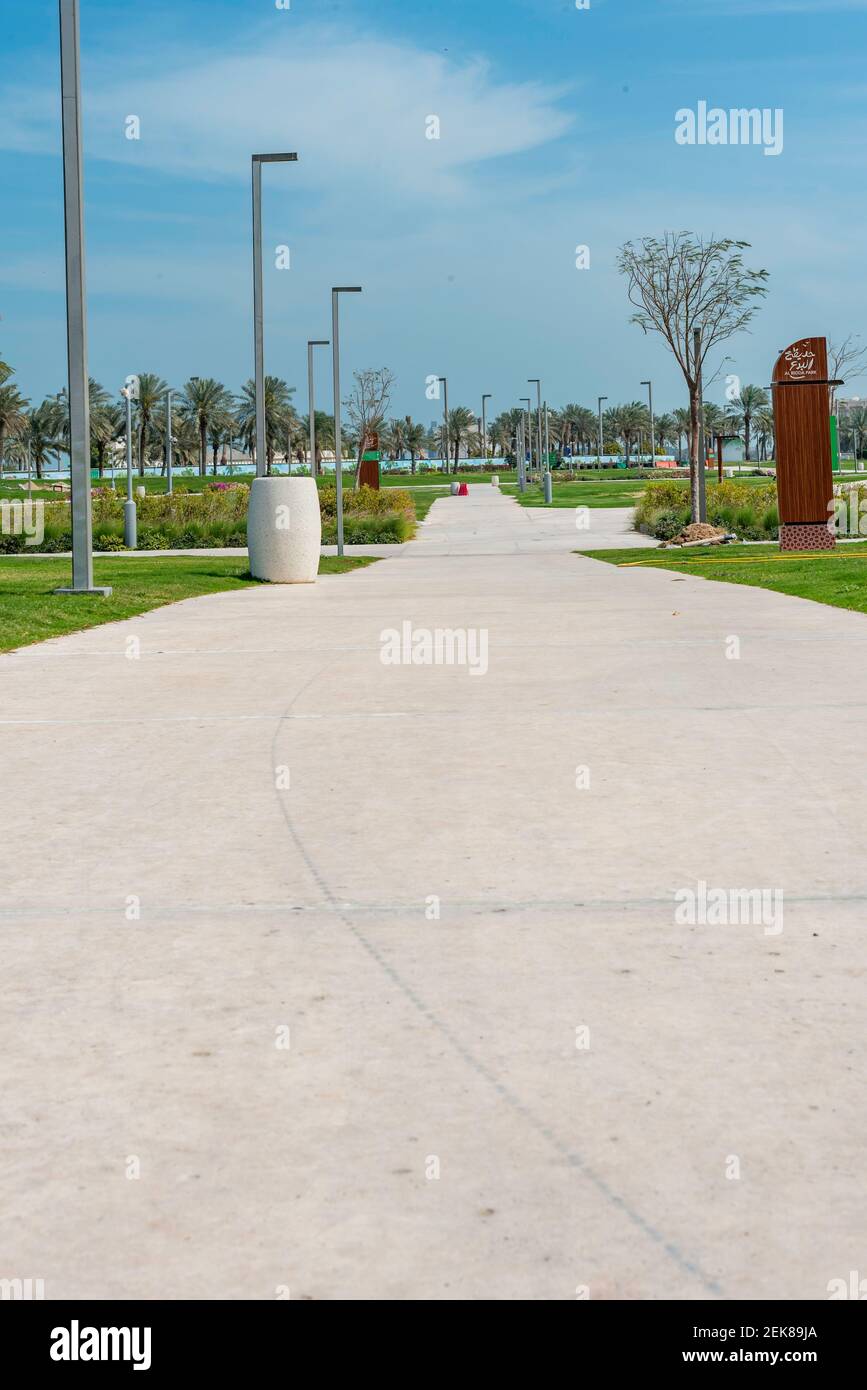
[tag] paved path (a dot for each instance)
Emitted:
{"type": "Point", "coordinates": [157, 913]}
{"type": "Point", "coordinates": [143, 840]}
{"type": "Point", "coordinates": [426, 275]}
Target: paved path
{"type": "Point", "coordinates": [423, 1045]}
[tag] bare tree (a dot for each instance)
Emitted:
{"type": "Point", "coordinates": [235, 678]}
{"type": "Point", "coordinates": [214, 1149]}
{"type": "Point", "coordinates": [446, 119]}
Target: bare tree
{"type": "Point", "coordinates": [680, 283]}
{"type": "Point", "coordinates": [846, 359]}
{"type": "Point", "coordinates": [367, 405]}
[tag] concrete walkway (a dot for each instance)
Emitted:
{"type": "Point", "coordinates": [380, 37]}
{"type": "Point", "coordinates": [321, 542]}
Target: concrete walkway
{"type": "Point", "coordinates": [431, 913]}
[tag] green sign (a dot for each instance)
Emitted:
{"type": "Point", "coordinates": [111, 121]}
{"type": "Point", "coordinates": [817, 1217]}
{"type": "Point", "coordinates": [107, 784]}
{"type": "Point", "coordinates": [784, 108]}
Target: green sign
{"type": "Point", "coordinates": [835, 446]}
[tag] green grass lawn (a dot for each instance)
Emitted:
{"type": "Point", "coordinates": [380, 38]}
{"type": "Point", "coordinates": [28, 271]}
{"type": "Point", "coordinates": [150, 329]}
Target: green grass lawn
{"type": "Point", "coordinates": [30, 611]}
{"type": "Point", "coordinates": [578, 494]}
{"type": "Point", "coordinates": [410, 480]}
{"type": "Point", "coordinates": [837, 577]}
{"type": "Point", "coordinates": [424, 500]}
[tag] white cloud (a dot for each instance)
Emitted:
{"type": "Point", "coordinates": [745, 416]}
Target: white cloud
{"type": "Point", "coordinates": [354, 110]}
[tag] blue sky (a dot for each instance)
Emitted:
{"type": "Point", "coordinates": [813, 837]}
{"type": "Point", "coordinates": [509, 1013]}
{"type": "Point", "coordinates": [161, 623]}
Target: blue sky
{"type": "Point", "coordinates": [556, 129]}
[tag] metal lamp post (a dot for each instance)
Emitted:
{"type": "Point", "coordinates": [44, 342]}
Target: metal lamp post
{"type": "Point", "coordinates": [76, 308]}
{"type": "Point", "coordinates": [534, 381]}
{"type": "Point", "coordinates": [169, 479]}
{"type": "Point", "coordinates": [700, 502]}
{"type": "Point", "coordinates": [258, 326]}
{"type": "Point", "coordinates": [528, 433]}
{"type": "Point", "coordinates": [338, 443]}
{"type": "Point", "coordinates": [649, 386]}
{"type": "Point", "coordinates": [130, 523]}
{"type": "Point", "coordinates": [486, 397]}
{"type": "Point", "coordinates": [445, 385]}
{"type": "Point", "coordinates": [311, 403]}
{"type": "Point", "coordinates": [599, 407]}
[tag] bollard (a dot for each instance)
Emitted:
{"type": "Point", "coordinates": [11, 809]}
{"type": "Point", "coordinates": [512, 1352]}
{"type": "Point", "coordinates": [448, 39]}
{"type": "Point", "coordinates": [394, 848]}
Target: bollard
{"type": "Point", "coordinates": [130, 525]}
{"type": "Point", "coordinates": [453, 489]}
{"type": "Point", "coordinates": [549, 488]}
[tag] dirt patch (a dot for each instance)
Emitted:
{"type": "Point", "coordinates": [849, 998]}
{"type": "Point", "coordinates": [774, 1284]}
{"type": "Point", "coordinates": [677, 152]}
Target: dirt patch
{"type": "Point", "coordinates": [698, 533]}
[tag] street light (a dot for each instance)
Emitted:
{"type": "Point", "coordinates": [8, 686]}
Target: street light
{"type": "Point", "coordinates": [130, 393]}
{"type": "Point", "coordinates": [528, 437]}
{"type": "Point", "coordinates": [486, 397]}
{"type": "Point", "coordinates": [76, 320]}
{"type": "Point", "coordinates": [649, 386]}
{"type": "Point", "coordinates": [258, 329]}
{"type": "Point", "coordinates": [534, 381]}
{"type": "Point", "coordinates": [445, 385]}
{"type": "Point", "coordinates": [338, 443]}
{"type": "Point", "coordinates": [311, 404]}
{"type": "Point", "coordinates": [599, 406]}
{"type": "Point", "coordinates": [169, 479]}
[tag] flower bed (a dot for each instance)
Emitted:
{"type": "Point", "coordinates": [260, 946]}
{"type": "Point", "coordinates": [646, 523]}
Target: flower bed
{"type": "Point", "coordinates": [214, 518]}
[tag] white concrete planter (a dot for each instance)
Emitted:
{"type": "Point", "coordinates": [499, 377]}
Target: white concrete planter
{"type": "Point", "coordinates": [284, 530]}
{"type": "Point", "coordinates": [495, 480]}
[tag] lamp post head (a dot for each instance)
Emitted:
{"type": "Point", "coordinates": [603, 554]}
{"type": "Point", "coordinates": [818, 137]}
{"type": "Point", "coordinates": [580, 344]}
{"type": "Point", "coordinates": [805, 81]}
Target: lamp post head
{"type": "Point", "coordinates": [318, 342]}
{"type": "Point", "coordinates": [346, 289]}
{"type": "Point", "coordinates": [274, 158]}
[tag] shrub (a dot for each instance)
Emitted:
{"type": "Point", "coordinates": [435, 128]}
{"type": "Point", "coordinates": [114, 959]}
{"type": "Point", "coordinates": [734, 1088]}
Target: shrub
{"type": "Point", "coordinates": [217, 517]}
{"type": "Point", "coordinates": [668, 522]}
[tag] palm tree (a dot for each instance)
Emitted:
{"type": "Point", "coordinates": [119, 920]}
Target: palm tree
{"type": "Point", "coordinates": [324, 436]}
{"type": "Point", "coordinates": [751, 399]}
{"type": "Point", "coordinates": [682, 425]}
{"type": "Point", "coordinates": [223, 428]}
{"type": "Point", "coordinates": [107, 426]}
{"type": "Point", "coordinates": [764, 424]}
{"type": "Point", "coordinates": [12, 408]}
{"type": "Point", "coordinates": [414, 439]}
{"type": "Point", "coordinates": [97, 398]}
{"type": "Point", "coordinates": [186, 440]}
{"type": "Point", "coordinates": [665, 429]}
{"type": "Point", "coordinates": [43, 431]}
{"type": "Point", "coordinates": [460, 421]}
{"type": "Point", "coordinates": [277, 407]}
{"type": "Point", "coordinates": [204, 400]}
{"type": "Point", "coordinates": [151, 393]}
{"type": "Point", "coordinates": [626, 422]}
{"type": "Point", "coordinates": [394, 439]}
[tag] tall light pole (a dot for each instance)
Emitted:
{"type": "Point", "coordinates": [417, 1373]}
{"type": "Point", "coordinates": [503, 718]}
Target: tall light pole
{"type": "Point", "coordinates": [547, 441]}
{"type": "Point", "coordinates": [130, 525]}
{"type": "Point", "coordinates": [699, 504]}
{"type": "Point", "coordinates": [76, 309]}
{"type": "Point", "coordinates": [528, 435]}
{"type": "Point", "coordinates": [338, 443]}
{"type": "Point", "coordinates": [649, 386]}
{"type": "Point", "coordinates": [258, 326]}
{"type": "Point", "coordinates": [311, 403]}
{"type": "Point", "coordinates": [445, 385]}
{"type": "Point", "coordinates": [534, 381]}
{"type": "Point", "coordinates": [519, 451]}
{"type": "Point", "coordinates": [486, 397]}
{"type": "Point", "coordinates": [599, 406]}
{"type": "Point", "coordinates": [169, 479]}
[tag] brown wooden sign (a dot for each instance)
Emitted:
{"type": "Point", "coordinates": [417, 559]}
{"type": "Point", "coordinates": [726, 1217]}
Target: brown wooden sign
{"type": "Point", "coordinates": [369, 473]}
{"type": "Point", "coordinates": [805, 483]}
